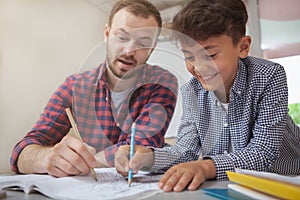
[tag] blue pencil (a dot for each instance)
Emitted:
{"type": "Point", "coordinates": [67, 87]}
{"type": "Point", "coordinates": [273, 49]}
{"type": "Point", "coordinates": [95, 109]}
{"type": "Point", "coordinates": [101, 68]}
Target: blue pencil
{"type": "Point", "coordinates": [131, 151]}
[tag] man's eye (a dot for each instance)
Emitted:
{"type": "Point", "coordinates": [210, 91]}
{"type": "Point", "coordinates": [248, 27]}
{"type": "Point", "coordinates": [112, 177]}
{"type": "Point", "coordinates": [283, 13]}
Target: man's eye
{"type": "Point", "coordinates": [122, 38]}
{"type": "Point", "coordinates": [189, 58]}
{"type": "Point", "coordinates": [143, 44]}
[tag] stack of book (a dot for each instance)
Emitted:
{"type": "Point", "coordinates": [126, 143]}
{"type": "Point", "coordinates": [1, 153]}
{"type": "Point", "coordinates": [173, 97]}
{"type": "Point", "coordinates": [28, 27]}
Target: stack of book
{"type": "Point", "coordinates": [264, 185]}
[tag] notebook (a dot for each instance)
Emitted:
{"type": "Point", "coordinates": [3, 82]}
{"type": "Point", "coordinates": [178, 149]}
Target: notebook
{"type": "Point", "coordinates": [286, 187]}
{"type": "Point", "coordinates": [110, 185]}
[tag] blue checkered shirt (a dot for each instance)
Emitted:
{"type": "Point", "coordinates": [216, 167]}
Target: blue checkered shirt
{"type": "Point", "coordinates": [257, 125]}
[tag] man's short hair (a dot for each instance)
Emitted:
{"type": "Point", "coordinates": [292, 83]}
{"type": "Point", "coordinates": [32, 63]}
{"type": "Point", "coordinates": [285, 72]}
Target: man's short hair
{"type": "Point", "coordinates": [142, 8]}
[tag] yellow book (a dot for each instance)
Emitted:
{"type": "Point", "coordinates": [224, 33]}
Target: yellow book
{"type": "Point", "coordinates": [265, 185]}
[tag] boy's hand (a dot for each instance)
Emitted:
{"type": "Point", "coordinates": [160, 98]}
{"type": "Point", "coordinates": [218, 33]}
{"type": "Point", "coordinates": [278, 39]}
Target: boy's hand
{"type": "Point", "coordinates": [190, 175]}
{"type": "Point", "coordinates": [143, 157]}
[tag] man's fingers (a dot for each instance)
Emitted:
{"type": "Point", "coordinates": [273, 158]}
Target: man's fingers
{"type": "Point", "coordinates": [91, 149]}
{"type": "Point", "coordinates": [76, 153]}
{"type": "Point", "coordinates": [57, 166]}
{"type": "Point", "coordinates": [84, 152]}
{"type": "Point", "coordinates": [56, 172]}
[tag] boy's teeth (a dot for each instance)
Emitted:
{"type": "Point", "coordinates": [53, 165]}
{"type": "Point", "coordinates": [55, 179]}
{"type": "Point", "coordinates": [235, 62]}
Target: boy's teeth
{"type": "Point", "coordinates": [206, 77]}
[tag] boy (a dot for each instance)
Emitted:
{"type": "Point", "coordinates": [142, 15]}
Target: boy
{"type": "Point", "coordinates": [235, 108]}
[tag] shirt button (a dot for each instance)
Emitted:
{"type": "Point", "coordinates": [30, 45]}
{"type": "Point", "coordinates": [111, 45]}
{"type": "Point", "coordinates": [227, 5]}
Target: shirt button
{"type": "Point", "coordinates": [106, 99]}
{"type": "Point", "coordinates": [118, 124]}
{"type": "Point", "coordinates": [239, 92]}
{"type": "Point", "coordinates": [218, 103]}
{"type": "Point", "coordinates": [225, 124]}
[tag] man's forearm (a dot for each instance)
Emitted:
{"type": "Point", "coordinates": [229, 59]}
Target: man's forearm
{"type": "Point", "coordinates": [33, 159]}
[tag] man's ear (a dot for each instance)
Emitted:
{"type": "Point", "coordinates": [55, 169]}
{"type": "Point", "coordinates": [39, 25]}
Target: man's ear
{"type": "Point", "coordinates": [244, 46]}
{"type": "Point", "coordinates": [106, 32]}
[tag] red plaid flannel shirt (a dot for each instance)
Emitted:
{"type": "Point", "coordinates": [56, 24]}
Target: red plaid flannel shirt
{"type": "Point", "coordinates": [150, 104]}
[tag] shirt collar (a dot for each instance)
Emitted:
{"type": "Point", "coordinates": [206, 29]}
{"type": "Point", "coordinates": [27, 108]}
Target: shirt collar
{"type": "Point", "coordinates": [239, 84]}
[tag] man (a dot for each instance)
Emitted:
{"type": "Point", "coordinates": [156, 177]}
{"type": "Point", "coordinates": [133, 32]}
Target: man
{"type": "Point", "coordinates": [105, 101]}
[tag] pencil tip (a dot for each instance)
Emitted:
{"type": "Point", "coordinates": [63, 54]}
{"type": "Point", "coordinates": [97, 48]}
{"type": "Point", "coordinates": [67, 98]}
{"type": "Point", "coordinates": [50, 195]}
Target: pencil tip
{"type": "Point", "coordinates": [129, 183]}
{"type": "Point", "coordinates": [94, 174]}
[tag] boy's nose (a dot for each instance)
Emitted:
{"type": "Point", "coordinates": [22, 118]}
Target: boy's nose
{"type": "Point", "coordinates": [200, 68]}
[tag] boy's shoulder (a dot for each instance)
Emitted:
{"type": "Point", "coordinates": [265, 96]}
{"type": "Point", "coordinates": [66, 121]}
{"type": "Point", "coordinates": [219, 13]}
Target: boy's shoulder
{"type": "Point", "coordinates": [260, 65]}
{"type": "Point", "coordinates": [258, 72]}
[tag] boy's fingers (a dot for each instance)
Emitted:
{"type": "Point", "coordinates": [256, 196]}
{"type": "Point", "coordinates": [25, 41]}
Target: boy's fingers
{"type": "Point", "coordinates": [122, 159]}
{"type": "Point", "coordinates": [196, 182]}
{"type": "Point", "coordinates": [143, 157]}
{"type": "Point", "coordinates": [166, 177]}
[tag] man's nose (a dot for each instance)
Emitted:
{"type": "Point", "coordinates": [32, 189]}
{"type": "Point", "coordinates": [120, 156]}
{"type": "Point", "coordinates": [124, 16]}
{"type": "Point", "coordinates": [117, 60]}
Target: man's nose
{"type": "Point", "coordinates": [129, 48]}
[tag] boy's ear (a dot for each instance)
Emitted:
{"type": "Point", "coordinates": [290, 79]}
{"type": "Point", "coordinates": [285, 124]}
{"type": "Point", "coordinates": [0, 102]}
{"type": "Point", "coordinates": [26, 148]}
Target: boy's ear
{"type": "Point", "coordinates": [244, 46]}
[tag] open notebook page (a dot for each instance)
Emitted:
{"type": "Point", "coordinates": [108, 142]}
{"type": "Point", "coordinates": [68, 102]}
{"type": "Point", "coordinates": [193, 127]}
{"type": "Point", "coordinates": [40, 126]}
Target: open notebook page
{"type": "Point", "coordinates": [110, 185]}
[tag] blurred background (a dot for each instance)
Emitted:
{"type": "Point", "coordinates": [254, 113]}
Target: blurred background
{"type": "Point", "coordinates": [44, 41]}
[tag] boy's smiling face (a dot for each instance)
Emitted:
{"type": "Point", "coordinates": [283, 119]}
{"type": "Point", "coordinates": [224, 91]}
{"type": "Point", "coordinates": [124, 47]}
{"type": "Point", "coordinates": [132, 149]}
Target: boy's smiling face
{"type": "Point", "coordinates": [214, 62]}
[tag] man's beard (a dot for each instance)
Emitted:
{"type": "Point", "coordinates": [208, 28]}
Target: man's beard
{"type": "Point", "coordinates": [113, 61]}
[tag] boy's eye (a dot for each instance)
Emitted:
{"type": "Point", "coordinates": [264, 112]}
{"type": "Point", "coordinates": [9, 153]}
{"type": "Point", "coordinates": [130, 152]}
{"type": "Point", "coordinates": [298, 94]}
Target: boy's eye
{"type": "Point", "coordinates": [210, 56]}
{"type": "Point", "coordinates": [213, 55]}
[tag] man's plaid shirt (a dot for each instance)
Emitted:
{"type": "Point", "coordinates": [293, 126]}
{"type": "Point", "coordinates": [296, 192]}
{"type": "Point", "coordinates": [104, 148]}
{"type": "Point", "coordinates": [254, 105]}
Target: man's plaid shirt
{"type": "Point", "coordinates": [150, 104]}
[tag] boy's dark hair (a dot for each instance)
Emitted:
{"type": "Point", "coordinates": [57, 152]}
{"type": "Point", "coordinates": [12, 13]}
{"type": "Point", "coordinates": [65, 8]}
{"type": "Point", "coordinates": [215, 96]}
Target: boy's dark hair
{"type": "Point", "coordinates": [141, 8]}
{"type": "Point", "coordinates": [202, 19]}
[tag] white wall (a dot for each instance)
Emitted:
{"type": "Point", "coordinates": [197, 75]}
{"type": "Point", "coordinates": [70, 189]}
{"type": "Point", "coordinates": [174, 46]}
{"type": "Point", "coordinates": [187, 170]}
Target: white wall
{"type": "Point", "coordinates": [41, 42]}
{"type": "Point", "coordinates": [292, 69]}
{"type": "Point", "coordinates": [168, 56]}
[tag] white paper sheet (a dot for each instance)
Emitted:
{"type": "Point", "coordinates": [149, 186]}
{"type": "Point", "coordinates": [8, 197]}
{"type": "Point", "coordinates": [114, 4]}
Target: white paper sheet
{"type": "Point", "coordinates": [110, 185]}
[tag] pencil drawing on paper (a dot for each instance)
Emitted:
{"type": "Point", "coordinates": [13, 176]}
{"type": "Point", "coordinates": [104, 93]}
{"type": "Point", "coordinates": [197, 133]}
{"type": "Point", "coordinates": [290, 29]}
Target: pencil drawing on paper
{"type": "Point", "coordinates": [113, 185]}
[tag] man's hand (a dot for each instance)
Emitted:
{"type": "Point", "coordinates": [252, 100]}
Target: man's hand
{"type": "Point", "coordinates": [68, 157]}
{"type": "Point", "coordinates": [143, 157]}
{"type": "Point", "coordinates": [190, 175]}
